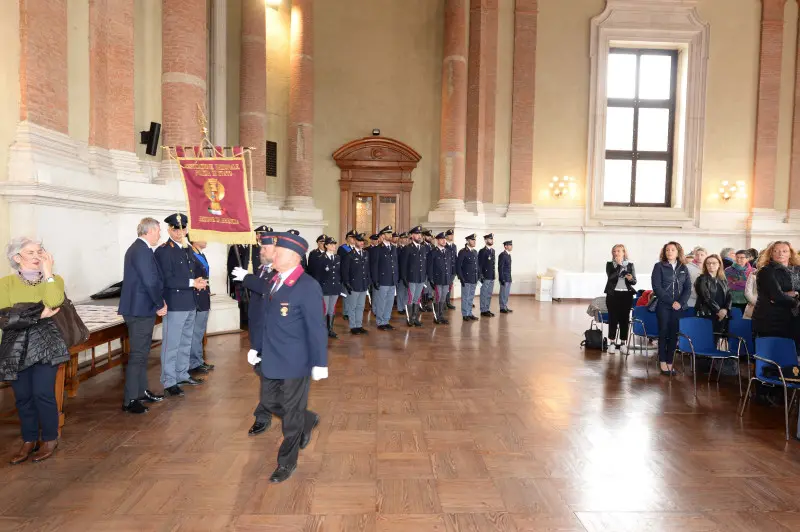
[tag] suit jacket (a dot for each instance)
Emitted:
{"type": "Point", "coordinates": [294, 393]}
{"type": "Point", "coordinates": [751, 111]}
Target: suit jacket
{"type": "Point", "coordinates": [259, 285]}
{"type": "Point", "coordinates": [414, 268]}
{"type": "Point", "coordinates": [385, 270]}
{"type": "Point", "coordinates": [614, 271]}
{"type": "Point", "coordinates": [313, 257]}
{"type": "Point", "coordinates": [356, 270]}
{"type": "Point", "coordinates": [177, 267]}
{"type": "Point", "coordinates": [142, 285]}
{"type": "Point", "coordinates": [504, 267]}
{"type": "Point", "coordinates": [467, 266]}
{"type": "Point", "coordinates": [486, 261]}
{"type": "Point", "coordinates": [452, 249]}
{"type": "Point", "coordinates": [294, 338]}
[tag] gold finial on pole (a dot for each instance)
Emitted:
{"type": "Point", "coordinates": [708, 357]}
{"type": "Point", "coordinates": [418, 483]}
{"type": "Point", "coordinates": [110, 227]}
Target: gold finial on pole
{"type": "Point", "coordinates": [202, 121]}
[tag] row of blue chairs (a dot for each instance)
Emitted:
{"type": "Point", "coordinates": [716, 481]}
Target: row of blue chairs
{"type": "Point", "coordinates": [697, 339]}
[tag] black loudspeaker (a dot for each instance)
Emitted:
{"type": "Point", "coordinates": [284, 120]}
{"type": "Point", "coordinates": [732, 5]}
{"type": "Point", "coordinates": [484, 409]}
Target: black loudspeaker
{"type": "Point", "coordinates": [272, 159]}
{"type": "Point", "coordinates": [150, 138]}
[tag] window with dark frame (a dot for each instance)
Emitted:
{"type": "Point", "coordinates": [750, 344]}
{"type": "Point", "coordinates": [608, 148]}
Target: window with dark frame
{"type": "Point", "coordinates": [640, 127]}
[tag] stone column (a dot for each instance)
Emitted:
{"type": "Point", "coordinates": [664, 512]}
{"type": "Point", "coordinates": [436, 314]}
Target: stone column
{"type": "Point", "coordinates": [43, 64]}
{"type": "Point", "coordinates": [454, 107]}
{"type": "Point", "coordinates": [184, 66]}
{"type": "Point", "coordinates": [253, 88]}
{"type": "Point", "coordinates": [525, 24]}
{"type": "Point", "coordinates": [481, 96]}
{"type": "Point", "coordinates": [111, 74]}
{"type": "Point", "coordinates": [301, 107]}
{"type": "Point", "coordinates": [769, 90]}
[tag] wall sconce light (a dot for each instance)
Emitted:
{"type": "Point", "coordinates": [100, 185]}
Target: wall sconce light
{"type": "Point", "coordinates": [730, 190]}
{"type": "Point", "coordinates": [560, 186]}
{"type": "Point", "coordinates": [274, 4]}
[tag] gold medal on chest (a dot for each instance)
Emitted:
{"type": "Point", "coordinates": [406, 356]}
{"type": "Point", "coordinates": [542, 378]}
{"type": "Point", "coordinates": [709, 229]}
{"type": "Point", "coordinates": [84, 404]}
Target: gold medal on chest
{"type": "Point", "coordinates": [284, 310]}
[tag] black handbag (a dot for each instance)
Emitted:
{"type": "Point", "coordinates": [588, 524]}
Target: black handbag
{"type": "Point", "coordinates": [70, 325]}
{"type": "Point", "coordinates": [593, 339]}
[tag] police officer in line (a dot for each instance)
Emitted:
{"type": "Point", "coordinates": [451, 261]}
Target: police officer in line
{"type": "Point", "coordinates": [452, 249]}
{"type": "Point", "coordinates": [402, 293]}
{"type": "Point", "coordinates": [303, 260]}
{"type": "Point", "coordinates": [439, 277]}
{"type": "Point", "coordinates": [374, 240]}
{"type": "Point", "coordinates": [467, 273]}
{"type": "Point", "coordinates": [427, 291]}
{"type": "Point", "coordinates": [384, 273]}
{"type": "Point", "coordinates": [348, 245]}
{"type": "Point", "coordinates": [316, 254]}
{"type": "Point", "coordinates": [504, 275]}
{"type": "Point", "coordinates": [356, 281]}
{"type": "Point", "coordinates": [414, 274]}
{"type": "Point", "coordinates": [294, 350]}
{"type": "Point", "coordinates": [259, 284]}
{"type": "Point", "coordinates": [486, 263]}
{"type": "Point", "coordinates": [197, 363]}
{"type": "Point", "coordinates": [181, 284]}
{"type": "Point", "coordinates": [329, 277]}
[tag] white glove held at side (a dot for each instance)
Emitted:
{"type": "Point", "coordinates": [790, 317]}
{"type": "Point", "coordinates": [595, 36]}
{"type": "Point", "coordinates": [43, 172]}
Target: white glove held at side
{"type": "Point", "coordinates": [252, 357]}
{"type": "Point", "coordinates": [238, 273]}
{"type": "Point", "coordinates": [318, 373]}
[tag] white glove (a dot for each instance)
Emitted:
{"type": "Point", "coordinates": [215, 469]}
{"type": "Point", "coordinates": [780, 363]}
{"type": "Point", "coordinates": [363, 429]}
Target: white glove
{"type": "Point", "coordinates": [252, 357]}
{"type": "Point", "coordinates": [318, 373]}
{"type": "Point", "coordinates": [238, 273]}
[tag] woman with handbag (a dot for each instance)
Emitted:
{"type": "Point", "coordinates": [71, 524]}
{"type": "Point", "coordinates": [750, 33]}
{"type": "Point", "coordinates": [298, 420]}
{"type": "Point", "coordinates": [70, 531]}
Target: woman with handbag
{"type": "Point", "coordinates": [32, 347]}
{"type": "Point", "coordinates": [714, 299]}
{"type": "Point", "coordinates": [619, 297]}
{"type": "Point", "coordinates": [673, 287]}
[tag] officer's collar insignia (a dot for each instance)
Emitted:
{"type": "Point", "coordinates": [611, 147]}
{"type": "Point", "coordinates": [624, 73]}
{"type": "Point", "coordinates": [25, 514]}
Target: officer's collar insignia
{"type": "Point", "coordinates": [290, 282]}
{"type": "Point", "coordinates": [171, 244]}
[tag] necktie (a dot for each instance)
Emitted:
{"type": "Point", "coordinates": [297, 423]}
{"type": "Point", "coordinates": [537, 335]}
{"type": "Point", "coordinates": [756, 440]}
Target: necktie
{"type": "Point", "coordinates": [276, 285]}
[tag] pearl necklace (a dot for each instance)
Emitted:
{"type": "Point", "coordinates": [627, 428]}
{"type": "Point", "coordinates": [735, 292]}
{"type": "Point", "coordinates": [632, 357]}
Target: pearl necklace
{"type": "Point", "coordinates": [30, 283]}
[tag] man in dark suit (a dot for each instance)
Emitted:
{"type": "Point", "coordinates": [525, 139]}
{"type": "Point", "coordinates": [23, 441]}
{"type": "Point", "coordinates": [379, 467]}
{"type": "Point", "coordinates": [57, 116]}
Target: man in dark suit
{"type": "Point", "coordinates": [467, 272]}
{"type": "Point", "coordinates": [181, 284]}
{"type": "Point", "coordinates": [141, 300]}
{"type": "Point", "coordinates": [439, 277]}
{"type": "Point", "coordinates": [294, 350]}
{"type": "Point", "coordinates": [452, 249]}
{"type": "Point", "coordinates": [385, 273]}
{"type": "Point", "coordinates": [504, 275]}
{"type": "Point", "coordinates": [486, 263]}
{"type": "Point", "coordinates": [356, 280]}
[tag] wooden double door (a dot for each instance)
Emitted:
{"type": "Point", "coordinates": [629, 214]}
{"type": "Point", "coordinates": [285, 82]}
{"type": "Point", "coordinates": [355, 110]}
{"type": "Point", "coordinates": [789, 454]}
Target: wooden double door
{"type": "Point", "coordinates": [375, 184]}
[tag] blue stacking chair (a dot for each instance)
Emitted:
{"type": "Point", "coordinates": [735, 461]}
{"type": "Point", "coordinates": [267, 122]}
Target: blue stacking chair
{"type": "Point", "coordinates": [696, 337]}
{"type": "Point", "coordinates": [644, 325]}
{"type": "Point", "coordinates": [689, 312]}
{"type": "Point", "coordinates": [736, 313]}
{"type": "Point", "coordinates": [777, 352]}
{"type": "Point", "coordinates": [740, 340]}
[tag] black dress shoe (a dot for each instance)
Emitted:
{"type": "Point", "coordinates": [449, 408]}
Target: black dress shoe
{"type": "Point", "coordinates": [451, 307]}
{"type": "Point", "coordinates": [209, 367]}
{"type": "Point", "coordinates": [355, 331]}
{"type": "Point", "coordinates": [491, 314]}
{"type": "Point", "coordinates": [174, 391]}
{"type": "Point", "coordinates": [259, 427]}
{"type": "Point", "coordinates": [199, 369]}
{"type": "Point", "coordinates": [487, 314]}
{"type": "Point", "coordinates": [389, 327]}
{"type": "Point", "coordinates": [282, 473]}
{"type": "Point", "coordinates": [135, 407]}
{"type": "Point", "coordinates": [466, 318]}
{"type": "Point", "coordinates": [192, 382]}
{"type": "Point", "coordinates": [362, 330]}
{"type": "Point", "coordinates": [401, 312]}
{"type": "Point", "coordinates": [150, 397]}
{"type": "Point", "coordinates": [305, 439]}
{"type": "Point", "coordinates": [473, 318]}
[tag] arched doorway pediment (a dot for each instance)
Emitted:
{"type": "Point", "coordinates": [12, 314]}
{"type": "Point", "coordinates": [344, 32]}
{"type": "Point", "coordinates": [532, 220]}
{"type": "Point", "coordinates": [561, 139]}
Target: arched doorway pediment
{"type": "Point", "coordinates": [376, 152]}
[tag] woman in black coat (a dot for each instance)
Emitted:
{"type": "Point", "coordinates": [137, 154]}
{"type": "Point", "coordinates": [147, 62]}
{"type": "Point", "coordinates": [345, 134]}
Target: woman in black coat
{"type": "Point", "coordinates": [778, 282]}
{"type": "Point", "coordinates": [713, 297]}
{"type": "Point", "coordinates": [619, 297]}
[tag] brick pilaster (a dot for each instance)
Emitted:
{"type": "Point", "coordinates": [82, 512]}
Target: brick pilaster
{"type": "Point", "coordinates": [253, 88]}
{"type": "Point", "coordinates": [523, 98]}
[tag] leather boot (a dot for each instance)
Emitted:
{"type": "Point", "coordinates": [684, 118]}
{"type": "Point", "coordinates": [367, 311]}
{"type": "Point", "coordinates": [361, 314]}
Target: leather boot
{"type": "Point", "coordinates": [28, 448]}
{"type": "Point", "coordinates": [442, 317]}
{"type": "Point", "coordinates": [331, 333]}
{"type": "Point", "coordinates": [410, 315]}
{"type": "Point", "coordinates": [417, 317]}
{"type": "Point", "coordinates": [45, 451]}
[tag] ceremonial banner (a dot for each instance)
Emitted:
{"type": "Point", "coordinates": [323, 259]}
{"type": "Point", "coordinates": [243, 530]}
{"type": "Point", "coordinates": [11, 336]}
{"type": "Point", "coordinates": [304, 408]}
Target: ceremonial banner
{"type": "Point", "coordinates": [216, 197]}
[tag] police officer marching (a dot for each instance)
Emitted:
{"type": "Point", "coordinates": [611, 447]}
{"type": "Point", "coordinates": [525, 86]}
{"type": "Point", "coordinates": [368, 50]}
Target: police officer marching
{"type": "Point", "coordinates": [413, 273]}
{"type": "Point", "coordinates": [467, 272]}
{"type": "Point", "coordinates": [504, 275]}
{"type": "Point", "coordinates": [294, 350]}
{"type": "Point", "coordinates": [486, 263]}
{"type": "Point", "coordinates": [329, 276]}
{"type": "Point", "coordinates": [356, 281]}
{"type": "Point", "coordinates": [180, 286]}
{"type": "Point", "coordinates": [439, 277]}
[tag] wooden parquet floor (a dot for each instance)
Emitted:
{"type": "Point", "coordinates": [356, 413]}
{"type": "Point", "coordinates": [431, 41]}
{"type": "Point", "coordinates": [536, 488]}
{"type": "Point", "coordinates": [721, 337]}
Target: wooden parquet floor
{"type": "Point", "coordinates": [499, 425]}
